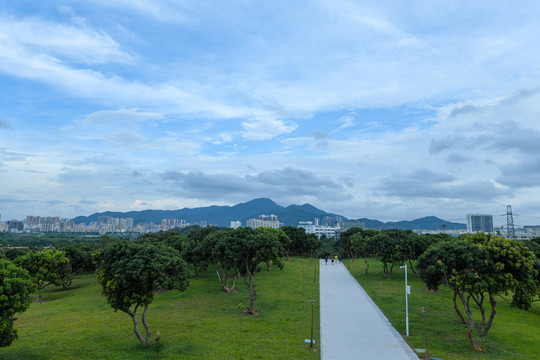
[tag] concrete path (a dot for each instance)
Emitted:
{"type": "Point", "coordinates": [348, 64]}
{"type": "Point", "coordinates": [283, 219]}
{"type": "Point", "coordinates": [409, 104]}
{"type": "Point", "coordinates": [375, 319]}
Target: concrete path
{"type": "Point", "coordinates": [352, 326]}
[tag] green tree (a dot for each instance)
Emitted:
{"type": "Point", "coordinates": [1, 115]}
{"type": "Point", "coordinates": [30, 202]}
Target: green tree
{"type": "Point", "coordinates": [16, 286]}
{"type": "Point", "coordinates": [195, 253]}
{"type": "Point", "coordinates": [227, 252]}
{"type": "Point", "coordinates": [302, 244]}
{"type": "Point", "coordinates": [358, 244]}
{"type": "Point", "coordinates": [256, 248]}
{"type": "Point", "coordinates": [534, 246]}
{"type": "Point", "coordinates": [350, 240]}
{"type": "Point", "coordinates": [477, 268]}
{"type": "Point", "coordinates": [48, 267]}
{"type": "Point", "coordinates": [13, 253]}
{"type": "Point", "coordinates": [131, 273]}
{"type": "Point", "coordinates": [280, 236]}
{"type": "Point", "coordinates": [80, 257]}
{"type": "Point", "coordinates": [387, 249]}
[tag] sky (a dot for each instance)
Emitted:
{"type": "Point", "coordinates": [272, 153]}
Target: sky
{"type": "Point", "coordinates": [389, 110]}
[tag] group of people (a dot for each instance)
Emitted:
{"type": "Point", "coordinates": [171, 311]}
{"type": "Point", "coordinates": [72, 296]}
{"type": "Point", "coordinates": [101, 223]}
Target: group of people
{"type": "Point", "coordinates": [334, 258]}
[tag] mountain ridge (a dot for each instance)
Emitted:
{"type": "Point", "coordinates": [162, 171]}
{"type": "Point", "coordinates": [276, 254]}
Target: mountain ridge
{"type": "Point", "coordinates": [290, 215]}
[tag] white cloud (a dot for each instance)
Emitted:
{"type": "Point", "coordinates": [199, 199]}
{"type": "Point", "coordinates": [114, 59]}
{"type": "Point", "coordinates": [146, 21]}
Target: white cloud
{"type": "Point", "coordinates": [266, 127]}
{"type": "Point", "coordinates": [61, 41]}
{"type": "Point", "coordinates": [122, 116]}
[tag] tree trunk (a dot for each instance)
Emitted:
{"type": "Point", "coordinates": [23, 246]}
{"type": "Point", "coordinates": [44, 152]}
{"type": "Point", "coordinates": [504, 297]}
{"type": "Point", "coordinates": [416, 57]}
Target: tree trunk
{"type": "Point", "coordinates": [268, 265]}
{"type": "Point", "coordinates": [146, 326]}
{"type": "Point", "coordinates": [412, 268]}
{"type": "Point", "coordinates": [133, 315]}
{"type": "Point", "coordinates": [66, 284]}
{"type": "Point", "coordinates": [196, 271]}
{"type": "Point", "coordinates": [252, 293]}
{"type": "Point", "coordinates": [457, 310]}
{"type": "Point", "coordinates": [476, 343]}
{"type": "Point", "coordinates": [391, 269]}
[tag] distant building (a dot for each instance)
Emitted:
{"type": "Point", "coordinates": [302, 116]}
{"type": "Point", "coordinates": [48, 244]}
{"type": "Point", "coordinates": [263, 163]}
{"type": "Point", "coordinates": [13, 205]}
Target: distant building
{"type": "Point", "coordinates": [15, 225]}
{"type": "Point", "coordinates": [268, 221]}
{"type": "Point", "coordinates": [333, 221]}
{"type": "Point", "coordinates": [320, 230]}
{"type": "Point", "coordinates": [236, 224]}
{"type": "Point", "coordinates": [479, 223]}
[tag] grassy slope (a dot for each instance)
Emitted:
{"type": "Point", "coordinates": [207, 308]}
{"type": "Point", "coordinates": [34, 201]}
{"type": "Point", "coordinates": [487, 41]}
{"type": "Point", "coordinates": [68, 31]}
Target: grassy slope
{"type": "Point", "coordinates": [201, 323]}
{"type": "Point", "coordinates": [515, 334]}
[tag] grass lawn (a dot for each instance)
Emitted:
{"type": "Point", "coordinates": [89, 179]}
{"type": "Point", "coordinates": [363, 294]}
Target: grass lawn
{"type": "Point", "coordinates": [515, 334]}
{"type": "Point", "coordinates": [201, 323]}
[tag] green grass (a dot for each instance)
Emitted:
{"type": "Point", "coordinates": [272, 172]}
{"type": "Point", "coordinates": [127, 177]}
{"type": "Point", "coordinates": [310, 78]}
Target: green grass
{"type": "Point", "coordinates": [515, 334]}
{"type": "Point", "coordinates": [201, 323]}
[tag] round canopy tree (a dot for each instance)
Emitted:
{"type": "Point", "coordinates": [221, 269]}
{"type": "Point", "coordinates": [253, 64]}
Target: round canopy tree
{"type": "Point", "coordinates": [131, 273]}
{"type": "Point", "coordinates": [16, 286]}
{"type": "Point", "coordinates": [48, 267]}
{"type": "Point", "coordinates": [476, 269]}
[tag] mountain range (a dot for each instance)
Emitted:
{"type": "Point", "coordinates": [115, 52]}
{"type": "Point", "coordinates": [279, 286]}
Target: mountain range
{"type": "Point", "coordinates": [290, 215]}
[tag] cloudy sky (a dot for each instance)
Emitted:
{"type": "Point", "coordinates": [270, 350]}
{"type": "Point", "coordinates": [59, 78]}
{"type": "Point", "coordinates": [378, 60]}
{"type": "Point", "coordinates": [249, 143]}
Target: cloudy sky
{"type": "Point", "coordinates": [386, 110]}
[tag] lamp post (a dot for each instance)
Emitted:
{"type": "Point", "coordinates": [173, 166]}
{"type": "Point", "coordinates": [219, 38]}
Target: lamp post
{"type": "Point", "coordinates": [407, 293]}
{"type": "Point", "coordinates": [311, 343]}
{"type": "Point", "coordinates": [426, 356]}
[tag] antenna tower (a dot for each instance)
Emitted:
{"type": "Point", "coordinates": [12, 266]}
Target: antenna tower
{"type": "Point", "coordinates": [510, 231]}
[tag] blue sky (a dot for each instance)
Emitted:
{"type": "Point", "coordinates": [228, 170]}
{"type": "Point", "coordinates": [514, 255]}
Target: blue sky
{"type": "Point", "coordinates": [387, 110]}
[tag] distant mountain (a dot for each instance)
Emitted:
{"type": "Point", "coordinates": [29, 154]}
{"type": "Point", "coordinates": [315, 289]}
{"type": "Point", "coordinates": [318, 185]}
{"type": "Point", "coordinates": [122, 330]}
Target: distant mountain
{"type": "Point", "coordinates": [425, 223]}
{"type": "Point", "coordinates": [219, 215]}
{"type": "Point", "coordinates": [290, 215]}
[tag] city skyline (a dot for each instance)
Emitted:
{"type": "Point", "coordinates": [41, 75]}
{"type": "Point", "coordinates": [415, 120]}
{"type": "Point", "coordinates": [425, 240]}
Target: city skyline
{"type": "Point", "coordinates": [358, 108]}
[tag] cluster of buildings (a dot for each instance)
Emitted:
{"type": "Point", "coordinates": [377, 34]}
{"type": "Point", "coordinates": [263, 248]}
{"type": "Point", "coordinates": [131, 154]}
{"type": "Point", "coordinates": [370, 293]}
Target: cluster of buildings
{"type": "Point", "coordinates": [327, 226]}
{"type": "Point", "coordinates": [330, 227]}
{"type": "Point", "coordinates": [103, 225]}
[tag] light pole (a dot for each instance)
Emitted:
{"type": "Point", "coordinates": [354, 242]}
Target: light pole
{"type": "Point", "coordinates": [311, 343]}
{"type": "Point", "coordinates": [407, 293]}
{"type": "Point", "coordinates": [425, 333]}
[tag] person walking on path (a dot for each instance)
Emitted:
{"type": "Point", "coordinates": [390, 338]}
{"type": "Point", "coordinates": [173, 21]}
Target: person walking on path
{"type": "Point", "coordinates": [352, 326]}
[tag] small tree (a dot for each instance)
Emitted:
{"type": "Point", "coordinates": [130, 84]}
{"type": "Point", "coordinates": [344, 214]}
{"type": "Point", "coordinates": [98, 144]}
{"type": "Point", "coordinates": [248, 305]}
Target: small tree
{"type": "Point", "coordinates": [256, 248]}
{"type": "Point", "coordinates": [387, 249]}
{"type": "Point", "coordinates": [130, 274]}
{"type": "Point", "coordinates": [302, 244]}
{"type": "Point", "coordinates": [49, 267]}
{"type": "Point", "coordinates": [227, 251]}
{"type": "Point", "coordinates": [16, 286]}
{"type": "Point", "coordinates": [280, 236]}
{"type": "Point", "coordinates": [80, 258]}
{"type": "Point", "coordinates": [194, 253]}
{"type": "Point", "coordinates": [477, 268]}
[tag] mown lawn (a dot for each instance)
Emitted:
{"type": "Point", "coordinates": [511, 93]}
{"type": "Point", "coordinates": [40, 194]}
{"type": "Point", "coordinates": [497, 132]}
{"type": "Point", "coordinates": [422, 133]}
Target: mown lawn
{"type": "Point", "coordinates": [515, 334]}
{"type": "Point", "coordinates": [201, 323]}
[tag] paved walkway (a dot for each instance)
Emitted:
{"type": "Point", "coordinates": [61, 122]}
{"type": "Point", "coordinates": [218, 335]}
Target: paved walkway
{"type": "Point", "coordinates": [352, 326]}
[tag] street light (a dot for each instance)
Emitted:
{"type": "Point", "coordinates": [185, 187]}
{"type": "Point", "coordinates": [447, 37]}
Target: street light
{"type": "Point", "coordinates": [407, 293]}
{"type": "Point", "coordinates": [311, 343]}
{"type": "Point", "coordinates": [426, 356]}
